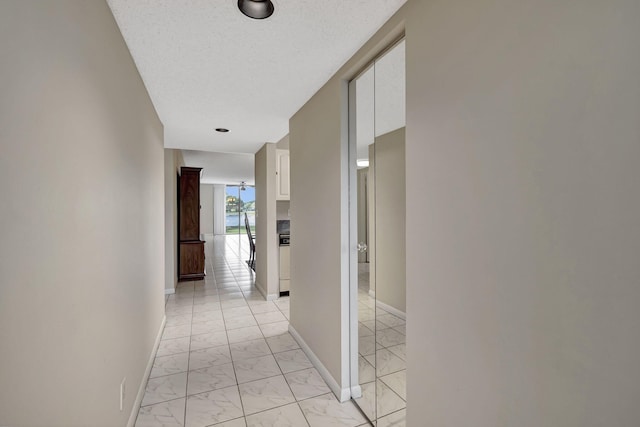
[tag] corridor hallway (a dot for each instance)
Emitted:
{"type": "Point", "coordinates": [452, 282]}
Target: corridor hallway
{"type": "Point", "coordinates": [226, 358]}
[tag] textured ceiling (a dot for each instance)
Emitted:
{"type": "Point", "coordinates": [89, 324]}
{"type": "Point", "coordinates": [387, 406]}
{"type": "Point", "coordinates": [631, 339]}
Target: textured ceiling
{"type": "Point", "coordinates": [221, 168]}
{"type": "Point", "coordinates": [380, 98]}
{"type": "Point", "coordinates": [206, 65]}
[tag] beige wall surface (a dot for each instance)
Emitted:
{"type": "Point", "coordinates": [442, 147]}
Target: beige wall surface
{"type": "Point", "coordinates": [172, 162]}
{"type": "Point", "coordinates": [523, 213]}
{"type": "Point", "coordinates": [206, 209]}
{"type": "Point", "coordinates": [315, 141]}
{"type": "Point", "coordinates": [266, 237]}
{"type": "Point", "coordinates": [390, 206]}
{"type": "Point", "coordinates": [81, 218]}
{"type": "Point", "coordinates": [318, 139]}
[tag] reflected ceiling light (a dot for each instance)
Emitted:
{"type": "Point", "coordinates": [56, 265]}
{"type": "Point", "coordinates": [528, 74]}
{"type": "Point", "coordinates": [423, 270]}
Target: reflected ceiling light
{"type": "Point", "coordinates": [362, 163]}
{"type": "Point", "coordinates": [256, 9]}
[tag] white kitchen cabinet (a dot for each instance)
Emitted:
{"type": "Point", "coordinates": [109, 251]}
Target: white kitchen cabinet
{"type": "Point", "coordinates": [282, 175]}
{"type": "Point", "coordinates": [285, 267]}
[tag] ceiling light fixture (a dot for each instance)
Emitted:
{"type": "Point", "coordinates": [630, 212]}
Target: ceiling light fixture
{"type": "Point", "coordinates": [363, 163]}
{"type": "Point", "coordinates": [223, 130]}
{"type": "Point", "coordinates": [256, 9]}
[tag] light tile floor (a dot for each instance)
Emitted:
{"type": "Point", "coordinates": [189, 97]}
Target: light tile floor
{"type": "Point", "coordinates": [226, 358]}
{"type": "Point", "coordinates": [382, 365]}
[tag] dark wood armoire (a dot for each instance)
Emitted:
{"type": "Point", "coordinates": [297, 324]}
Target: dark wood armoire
{"type": "Point", "coordinates": [190, 247]}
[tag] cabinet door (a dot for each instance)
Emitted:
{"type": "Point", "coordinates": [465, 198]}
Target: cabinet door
{"type": "Point", "coordinates": [189, 205]}
{"type": "Point", "coordinates": [282, 175]}
{"type": "Point", "coordinates": [191, 261]}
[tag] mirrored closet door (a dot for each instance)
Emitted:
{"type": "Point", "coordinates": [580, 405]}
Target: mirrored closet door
{"type": "Point", "coordinates": [377, 138]}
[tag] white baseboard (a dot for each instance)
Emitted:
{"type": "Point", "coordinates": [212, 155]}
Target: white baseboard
{"type": "Point", "coordinates": [392, 310]}
{"type": "Point", "coordinates": [169, 291]}
{"type": "Point", "coordinates": [268, 297]}
{"type": "Point", "coordinates": [356, 391]}
{"type": "Point", "coordinates": [145, 377]}
{"type": "Point", "coordinates": [343, 394]}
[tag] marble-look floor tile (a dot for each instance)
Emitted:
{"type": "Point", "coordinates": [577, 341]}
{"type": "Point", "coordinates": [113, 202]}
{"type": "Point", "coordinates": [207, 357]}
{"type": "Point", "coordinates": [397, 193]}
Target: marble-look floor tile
{"type": "Point", "coordinates": [259, 307]}
{"type": "Point", "coordinates": [269, 317]}
{"type": "Point", "coordinates": [176, 332]}
{"type": "Point", "coordinates": [230, 313]}
{"type": "Point", "coordinates": [165, 388]}
{"type": "Point", "coordinates": [207, 316]}
{"type": "Point", "coordinates": [399, 350]}
{"type": "Point", "coordinates": [211, 356]}
{"type": "Point", "coordinates": [178, 319]}
{"type": "Point", "coordinates": [282, 342]}
{"type": "Point", "coordinates": [366, 371]}
{"type": "Point", "coordinates": [326, 411]}
{"type": "Point", "coordinates": [205, 299]}
{"type": "Point", "coordinates": [386, 362]}
{"type": "Point", "coordinates": [396, 419]}
{"type": "Point", "coordinates": [244, 334]}
{"type": "Point", "coordinates": [212, 339]}
{"type": "Point", "coordinates": [397, 382]}
{"type": "Point", "coordinates": [256, 368]}
{"type": "Point", "coordinates": [273, 329]}
{"type": "Point", "coordinates": [363, 331]}
{"type": "Point", "coordinates": [210, 306]}
{"type": "Point", "coordinates": [173, 310]}
{"type": "Point", "coordinates": [238, 422]}
{"type": "Point", "coordinates": [390, 320]}
{"type": "Point", "coordinates": [167, 365]}
{"type": "Point", "coordinates": [284, 416]}
{"type": "Point", "coordinates": [292, 360]}
{"type": "Point", "coordinates": [213, 407]}
{"type": "Point", "coordinates": [165, 414]}
{"type": "Point", "coordinates": [265, 394]}
{"type": "Point", "coordinates": [366, 345]}
{"type": "Point", "coordinates": [249, 349]}
{"type": "Point", "coordinates": [207, 327]}
{"type": "Point", "coordinates": [389, 337]}
{"type": "Point", "coordinates": [212, 378]}
{"type": "Point", "coordinates": [306, 383]}
{"type": "Point", "coordinates": [240, 322]}
{"type": "Point", "coordinates": [233, 303]}
{"type": "Point", "coordinates": [173, 346]}
{"type": "Point", "coordinates": [367, 402]}
{"type": "Point", "coordinates": [282, 303]}
{"type": "Point", "coordinates": [228, 296]}
{"type": "Point", "coordinates": [402, 329]}
{"type": "Point", "coordinates": [386, 400]}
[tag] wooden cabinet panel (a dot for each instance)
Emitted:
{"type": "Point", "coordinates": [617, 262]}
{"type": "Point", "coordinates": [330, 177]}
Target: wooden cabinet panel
{"type": "Point", "coordinates": [191, 260]}
{"type": "Point", "coordinates": [189, 204]}
{"type": "Point", "coordinates": [190, 247]}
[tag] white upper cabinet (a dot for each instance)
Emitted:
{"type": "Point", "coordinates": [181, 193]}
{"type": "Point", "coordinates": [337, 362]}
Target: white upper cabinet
{"type": "Point", "coordinates": [282, 175]}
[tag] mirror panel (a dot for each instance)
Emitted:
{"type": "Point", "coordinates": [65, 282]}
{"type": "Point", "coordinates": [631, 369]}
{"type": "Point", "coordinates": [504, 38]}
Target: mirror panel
{"type": "Point", "coordinates": [380, 137]}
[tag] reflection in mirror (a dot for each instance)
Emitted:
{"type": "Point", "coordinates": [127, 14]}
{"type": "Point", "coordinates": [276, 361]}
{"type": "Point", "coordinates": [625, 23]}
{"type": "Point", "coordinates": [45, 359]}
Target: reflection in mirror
{"type": "Point", "coordinates": [379, 114]}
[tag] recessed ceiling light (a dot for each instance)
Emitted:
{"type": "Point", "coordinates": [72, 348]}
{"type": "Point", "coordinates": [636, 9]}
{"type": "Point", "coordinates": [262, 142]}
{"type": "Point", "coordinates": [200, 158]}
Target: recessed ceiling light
{"type": "Point", "coordinates": [223, 130]}
{"type": "Point", "coordinates": [256, 9]}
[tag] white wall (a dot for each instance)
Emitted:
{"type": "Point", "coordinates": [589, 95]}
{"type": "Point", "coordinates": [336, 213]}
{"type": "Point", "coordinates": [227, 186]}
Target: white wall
{"type": "Point", "coordinates": [219, 209]}
{"type": "Point", "coordinates": [206, 209]}
{"type": "Point", "coordinates": [523, 213]}
{"type": "Point", "coordinates": [266, 236]}
{"type": "Point", "coordinates": [81, 218]}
